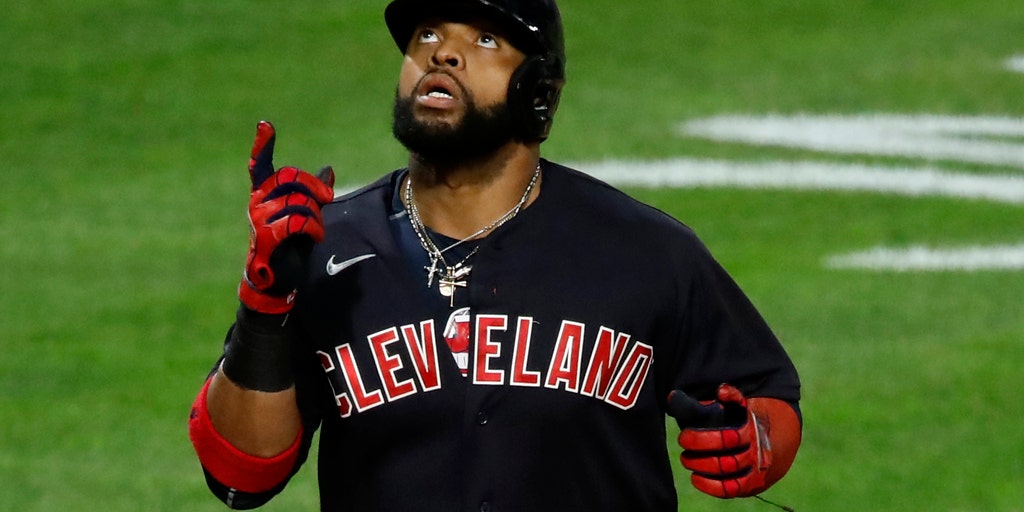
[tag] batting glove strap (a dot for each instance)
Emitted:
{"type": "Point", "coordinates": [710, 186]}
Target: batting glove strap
{"type": "Point", "coordinates": [258, 355]}
{"type": "Point", "coordinates": [229, 465]}
{"type": "Point", "coordinates": [257, 300]}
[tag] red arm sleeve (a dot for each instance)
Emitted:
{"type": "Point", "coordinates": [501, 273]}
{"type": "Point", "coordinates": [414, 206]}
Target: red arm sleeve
{"type": "Point", "coordinates": [229, 465]}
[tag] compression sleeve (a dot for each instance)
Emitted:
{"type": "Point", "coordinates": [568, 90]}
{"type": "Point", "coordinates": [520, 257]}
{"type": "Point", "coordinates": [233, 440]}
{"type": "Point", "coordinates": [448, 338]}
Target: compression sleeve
{"type": "Point", "coordinates": [229, 465]}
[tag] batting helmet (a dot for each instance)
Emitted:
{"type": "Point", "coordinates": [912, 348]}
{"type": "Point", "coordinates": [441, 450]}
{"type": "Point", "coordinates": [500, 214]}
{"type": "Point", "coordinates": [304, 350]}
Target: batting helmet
{"type": "Point", "coordinates": [533, 26]}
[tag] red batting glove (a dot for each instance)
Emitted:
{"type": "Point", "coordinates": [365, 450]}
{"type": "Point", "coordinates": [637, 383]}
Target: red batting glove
{"type": "Point", "coordinates": [724, 444]}
{"type": "Point", "coordinates": [284, 223]}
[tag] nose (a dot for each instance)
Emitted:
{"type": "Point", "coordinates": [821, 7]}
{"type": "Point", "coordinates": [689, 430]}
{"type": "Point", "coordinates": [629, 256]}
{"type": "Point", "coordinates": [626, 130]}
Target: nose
{"type": "Point", "coordinates": [447, 55]}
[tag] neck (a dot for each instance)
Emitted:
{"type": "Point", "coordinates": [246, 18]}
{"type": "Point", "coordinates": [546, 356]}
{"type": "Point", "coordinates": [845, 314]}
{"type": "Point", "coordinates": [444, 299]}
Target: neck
{"type": "Point", "coordinates": [457, 200]}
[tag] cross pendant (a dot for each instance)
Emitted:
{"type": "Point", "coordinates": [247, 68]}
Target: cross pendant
{"type": "Point", "coordinates": [431, 270]}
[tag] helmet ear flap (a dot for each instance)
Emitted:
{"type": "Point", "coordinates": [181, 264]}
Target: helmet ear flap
{"type": "Point", "coordinates": [534, 91]}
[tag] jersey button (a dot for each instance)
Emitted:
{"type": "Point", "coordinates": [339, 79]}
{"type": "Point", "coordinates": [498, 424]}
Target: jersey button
{"type": "Point", "coordinates": [482, 419]}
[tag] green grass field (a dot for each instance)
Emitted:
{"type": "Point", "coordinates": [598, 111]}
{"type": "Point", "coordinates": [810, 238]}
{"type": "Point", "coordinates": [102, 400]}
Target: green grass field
{"type": "Point", "coordinates": [124, 134]}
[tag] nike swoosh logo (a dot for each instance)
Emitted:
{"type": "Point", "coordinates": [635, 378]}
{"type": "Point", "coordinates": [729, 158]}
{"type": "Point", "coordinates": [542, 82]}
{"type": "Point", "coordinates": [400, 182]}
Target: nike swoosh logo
{"type": "Point", "coordinates": [334, 269]}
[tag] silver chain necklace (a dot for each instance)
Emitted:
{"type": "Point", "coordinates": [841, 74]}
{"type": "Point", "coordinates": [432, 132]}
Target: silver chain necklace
{"type": "Point", "coordinates": [455, 276]}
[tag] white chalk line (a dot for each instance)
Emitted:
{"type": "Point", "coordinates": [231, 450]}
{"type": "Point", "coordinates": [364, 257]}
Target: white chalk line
{"type": "Point", "coordinates": [1015, 63]}
{"type": "Point", "coordinates": [981, 140]}
{"type": "Point", "coordinates": [923, 258]}
{"type": "Point", "coordinates": [904, 181]}
{"type": "Point", "coordinates": [978, 140]}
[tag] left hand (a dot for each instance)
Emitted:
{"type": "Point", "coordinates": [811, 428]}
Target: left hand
{"type": "Point", "coordinates": [724, 444]}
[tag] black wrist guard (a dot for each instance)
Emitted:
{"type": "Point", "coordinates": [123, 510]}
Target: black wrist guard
{"type": "Point", "coordinates": [258, 355]}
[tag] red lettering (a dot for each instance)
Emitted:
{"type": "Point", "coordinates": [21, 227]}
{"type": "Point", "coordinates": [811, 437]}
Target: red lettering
{"type": "Point", "coordinates": [521, 354]}
{"type": "Point", "coordinates": [389, 364]}
{"type": "Point", "coordinates": [486, 349]}
{"type": "Point", "coordinates": [604, 359]}
{"type": "Point", "coordinates": [631, 377]}
{"type": "Point", "coordinates": [565, 361]}
{"type": "Point", "coordinates": [424, 354]}
{"type": "Point", "coordinates": [616, 372]}
{"type": "Point", "coordinates": [364, 401]}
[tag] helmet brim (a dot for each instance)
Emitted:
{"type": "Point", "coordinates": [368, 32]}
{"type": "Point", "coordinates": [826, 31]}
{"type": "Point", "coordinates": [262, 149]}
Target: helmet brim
{"type": "Point", "coordinates": [403, 16]}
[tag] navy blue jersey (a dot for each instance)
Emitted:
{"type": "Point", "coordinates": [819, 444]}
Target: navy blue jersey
{"type": "Point", "coordinates": [544, 387]}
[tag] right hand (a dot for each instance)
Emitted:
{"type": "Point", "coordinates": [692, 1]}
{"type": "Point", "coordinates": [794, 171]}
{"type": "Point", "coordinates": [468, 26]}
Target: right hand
{"type": "Point", "coordinates": [284, 223]}
{"type": "Point", "coordinates": [724, 443]}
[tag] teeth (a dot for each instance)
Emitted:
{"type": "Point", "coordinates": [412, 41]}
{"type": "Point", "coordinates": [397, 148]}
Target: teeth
{"type": "Point", "coordinates": [439, 94]}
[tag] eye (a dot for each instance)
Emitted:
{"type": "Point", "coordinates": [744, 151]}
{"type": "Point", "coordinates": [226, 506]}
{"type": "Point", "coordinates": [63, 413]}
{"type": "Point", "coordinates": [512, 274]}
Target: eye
{"type": "Point", "coordinates": [427, 36]}
{"type": "Point", "coordinates": [487, 40]}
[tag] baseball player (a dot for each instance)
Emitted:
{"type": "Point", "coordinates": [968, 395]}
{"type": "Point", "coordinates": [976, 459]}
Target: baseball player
{"type": "Point", "coordinates": [485, 329]}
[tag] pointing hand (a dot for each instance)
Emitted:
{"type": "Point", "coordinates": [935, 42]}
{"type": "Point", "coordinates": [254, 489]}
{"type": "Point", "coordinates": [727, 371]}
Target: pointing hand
{"type": "Point", "coordinates": [284, 223]}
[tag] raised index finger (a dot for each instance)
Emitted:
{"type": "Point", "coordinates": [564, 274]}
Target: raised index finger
{"type": "Point", "coordinates": [261, 159]}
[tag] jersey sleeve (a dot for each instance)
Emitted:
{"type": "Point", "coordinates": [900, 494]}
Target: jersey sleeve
{"type": "Point", "coordinates": [724, 339]}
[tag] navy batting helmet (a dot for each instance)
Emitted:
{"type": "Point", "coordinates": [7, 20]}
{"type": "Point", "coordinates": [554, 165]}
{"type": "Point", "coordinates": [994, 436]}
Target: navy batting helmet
{"type": "Point", "coordinates": [533, 26]}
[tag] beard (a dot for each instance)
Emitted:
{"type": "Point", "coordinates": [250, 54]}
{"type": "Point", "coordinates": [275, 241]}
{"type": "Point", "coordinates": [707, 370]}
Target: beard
{"type": "Point", "coordinates": [481, 132]}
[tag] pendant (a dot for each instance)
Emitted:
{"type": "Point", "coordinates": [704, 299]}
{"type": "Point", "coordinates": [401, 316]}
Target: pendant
{"type": "Point", "coordinates": [431, 270]}
{"type": "Point", "coordinates": [454, 277]}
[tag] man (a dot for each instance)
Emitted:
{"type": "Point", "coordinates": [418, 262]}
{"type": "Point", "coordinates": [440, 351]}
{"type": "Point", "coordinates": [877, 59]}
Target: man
{"type": "Point", "coordinates": [485, 330]}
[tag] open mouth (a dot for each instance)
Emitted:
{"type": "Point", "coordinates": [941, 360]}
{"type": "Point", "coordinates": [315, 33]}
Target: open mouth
{"type": "Point", "coordinates": [440, 92]}
{"type": "Point", "coordinates": [438, 89]}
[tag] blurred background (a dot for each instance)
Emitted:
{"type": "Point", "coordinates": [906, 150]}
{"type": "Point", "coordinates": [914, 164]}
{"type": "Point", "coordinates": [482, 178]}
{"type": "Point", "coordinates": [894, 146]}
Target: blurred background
{"type": "Point", "coordinates": [125, 129]}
